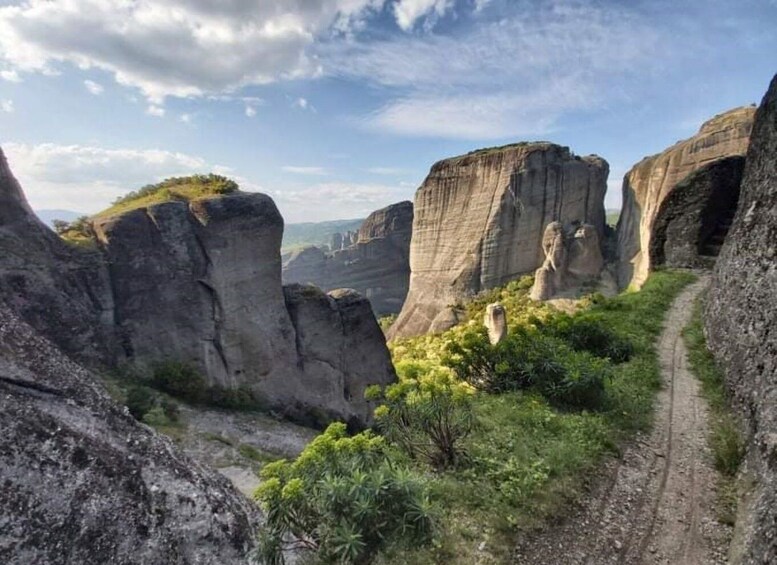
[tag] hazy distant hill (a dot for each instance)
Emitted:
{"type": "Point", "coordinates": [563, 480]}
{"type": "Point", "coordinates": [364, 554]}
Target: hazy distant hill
{"type": "Point", "coordinates": [48, 216]}
{"type": "Point", "coordinates": [315, 233]}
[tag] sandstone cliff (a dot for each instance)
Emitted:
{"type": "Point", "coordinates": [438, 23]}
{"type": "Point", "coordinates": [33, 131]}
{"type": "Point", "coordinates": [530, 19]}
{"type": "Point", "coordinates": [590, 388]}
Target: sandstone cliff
{"type": "Point", "coordinates": [376, 264]}
{"type": "Point", "coordinates": [479, 222]}
{"type": "Point", "coordinates": [84, 484]}
{"type": "Point", "coordinates": [741, 324]}
{"type": "Point", "coordinates": [649, 182]}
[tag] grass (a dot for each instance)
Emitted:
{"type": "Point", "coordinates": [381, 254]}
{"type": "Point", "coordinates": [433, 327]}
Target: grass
{"type": "Point", "coordinates": [527, 460]}
{"type": "Point", "coordinates": [725, 439]}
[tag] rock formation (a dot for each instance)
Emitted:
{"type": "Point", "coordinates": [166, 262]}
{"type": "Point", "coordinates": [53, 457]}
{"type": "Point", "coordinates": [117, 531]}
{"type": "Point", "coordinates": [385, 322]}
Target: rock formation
{"type": "Point", "coordinates": [376, 265]}
{"type": "Point", "coordinates": [572, 257]}
{"type": "Point", "coordinates": [480, 219]}
{"type": "Point", "coordinates": [649, 182]}
{"type": "Point", "coordinates": [693, 220]}
{"type": "Point", "coordinates": [496, 323]}
{"type": "Point", "coordinates": [84, 484]}
{"type": "Point", "coordinates": [741, 321]}
{"type": "Point", "coordinates": [194, 282]}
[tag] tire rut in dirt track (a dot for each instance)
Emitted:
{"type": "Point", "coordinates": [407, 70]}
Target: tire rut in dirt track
{"type": "Point", "coordinates": [654, 505]}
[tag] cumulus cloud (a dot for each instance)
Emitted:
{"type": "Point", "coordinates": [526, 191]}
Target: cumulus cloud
{"type": "Point", "coordinates": [10, 76]}
{"type": "Point", "coordinates": [6, 106]}
{"type": "Point", "coordinates": [87, 179]}
{"type": "Point", "coordinates": [93, 87]}
{"type": "Point", "coordinates": [250, 111]}
{"type": "Point", "coordinates": [175, 47]}
{"type": "Point", "coordinates": [408, 12]}
{"type": "Point", "coordinates": [156, 111]}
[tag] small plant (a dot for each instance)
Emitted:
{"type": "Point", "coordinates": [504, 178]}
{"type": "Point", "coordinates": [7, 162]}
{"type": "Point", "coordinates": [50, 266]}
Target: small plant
{"type": "Point", "coordinates": [343, 500]}
{"type": "Point", "coordinates": [428, 413]}
{"type": "Point", "coordinates": [139, 401]}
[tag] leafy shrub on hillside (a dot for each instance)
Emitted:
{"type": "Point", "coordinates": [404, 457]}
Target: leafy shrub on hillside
{"type": "Point", "coordinates": [343, 500]}
{"type": "Point", "coordinates": [427, 413]}
{"type": "Point", "coordinates": [214, 184]}
{"type": "Point", "coordinates": [528, 359]}
{"type": "Point", "coordinates": [588, 333]}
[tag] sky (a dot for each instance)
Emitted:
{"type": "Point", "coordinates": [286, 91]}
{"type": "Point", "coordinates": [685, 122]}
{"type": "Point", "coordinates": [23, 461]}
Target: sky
{"type": "Point", "coordinates": [339, 107]}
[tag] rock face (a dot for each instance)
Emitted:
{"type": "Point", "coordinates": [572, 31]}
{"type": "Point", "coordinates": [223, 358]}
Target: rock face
{"type": "Point", "coordinates": [741, 320]}
{"type": "Point", "coordinates": [480, 220]}
{"type": "Point", "coordinates": [374, 261]}
{"type": "Point", "coordinates": [693, 221]}
{"type": "Point", "coordinates": [339, 342]}
{"type": "Point", "coordinates": [84, 484]}
{"type": "Point", "coordinates": [62, 292]}
{"type": "Point", "coordinates": [572, 256]}
{"type": "Point", "coordinates": [194, 282]}
{"type": "Point", "coordinates": [649, 182]}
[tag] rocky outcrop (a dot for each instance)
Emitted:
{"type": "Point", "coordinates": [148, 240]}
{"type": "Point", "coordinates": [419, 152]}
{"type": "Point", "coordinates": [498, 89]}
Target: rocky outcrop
{"type": "Point", "coordinates": [495, 321]}
{"type": "Point", "coordinates": [62, 292]}
{"type": "Point", "coordinates": [573, 256]}
{"type": "Point", "coordinates": [480, 219]}
{"type": "Point", "coordinates": [374, 261]}
{"type": "Point", "coordinates": [84, 484]}
{"type": "Point", "coordinates": [741, 321]}
{"type": "Point", "coordinates": [340, 342]}
{"type": "Point", "coordinates": [694, 219]}
{"type": "Point", "coordinates": [195, 282]}
{"type": "Point", "coordinates": [649, 183]}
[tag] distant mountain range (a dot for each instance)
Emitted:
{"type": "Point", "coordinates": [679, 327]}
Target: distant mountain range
{"type": "Point", "coordinates": [295, 236]}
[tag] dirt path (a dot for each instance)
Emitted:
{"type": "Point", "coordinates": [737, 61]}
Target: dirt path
{"type": "Point", "coordinates": [655, 505]}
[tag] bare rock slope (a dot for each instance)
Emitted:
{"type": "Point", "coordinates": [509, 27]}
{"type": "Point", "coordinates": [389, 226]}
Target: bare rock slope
{"type": "Point", "coordinates": [376, 263]}
{"type": "Point", "coordinates": [651, 180]}
{"type": "Point", "coordinates": [480, 219]}
{"type": "Point", "coordinates": [83, 483]}
{"type": "Point", "coordinates": [741, 324]}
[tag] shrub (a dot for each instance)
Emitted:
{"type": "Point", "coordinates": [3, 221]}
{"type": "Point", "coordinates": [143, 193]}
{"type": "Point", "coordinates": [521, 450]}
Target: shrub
{"type": "Point", "coordinates": [428, 413]}
{"type": "Point", "coordinates": [180, 380]}
{"type": "Point", "coordinates": [528, 359]}
{"type": "Point", "coordinates": [139, 401]}
{"type": "Point", "coordinates": [589, 333]}
{"type": "Point", "coordinates": [342, 501]}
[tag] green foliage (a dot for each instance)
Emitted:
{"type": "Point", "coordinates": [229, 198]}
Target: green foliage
{"type": "Point", "coordinates": [343, 500]}
{"type": "Point", "coordinates": [139, 401]}
{"type": "Point", "coordinates": [427, 413]}
{"type": "Point", "coordinates": [527, 359]}
{"type": "Point", "coordinates": [725, 439]}
{"type": "Point", "coordinates": [589, 332]}
{"type": "Point", "coordinates": [385, 322]}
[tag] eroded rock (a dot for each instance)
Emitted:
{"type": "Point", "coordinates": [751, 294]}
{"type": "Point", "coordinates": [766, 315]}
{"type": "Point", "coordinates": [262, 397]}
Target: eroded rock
{"type": "Point", "coordinates": [480, 219]}
{"type": "Point", "coordinates": [496, 323]}
{"type": "Point", "coordinates": [649, 183]}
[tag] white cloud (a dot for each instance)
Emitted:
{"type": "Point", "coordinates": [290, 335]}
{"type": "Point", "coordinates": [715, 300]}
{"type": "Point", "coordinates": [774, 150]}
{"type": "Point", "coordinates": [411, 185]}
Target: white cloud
{"type": "Point", "coordinates": [336, 200]}
{"type": "Point", "coordinates": [87, 179]}
{"type": "Point", "coordinates": [10, 76]}
{"type": "Point", "coordinates": [250, 111]}
{"type": "Point", "coordinates": [176, 47]}
{"type": "Point", "coordinates": [302, 103]}
{"type": "Point", "coordinates": [6, 106]}
{"type": "Point", "coordinates": [517, 76]}
{"type": "Point", "coordinates": [156, 111]}
{"type": "Point", "coordinates": [386, 171]}
{"type": "Point", "coordinates": [313, 171]}
{"type": "Point", "coordinates": [185, 118]}
{"type": "Point", "coordinates": [408, 12]}
{"type": "Point", "coordinates": [93, 87]}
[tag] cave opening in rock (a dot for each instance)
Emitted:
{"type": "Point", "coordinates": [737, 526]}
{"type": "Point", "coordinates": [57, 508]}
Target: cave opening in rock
{"type": "Point", "coordinates": [694, 220]}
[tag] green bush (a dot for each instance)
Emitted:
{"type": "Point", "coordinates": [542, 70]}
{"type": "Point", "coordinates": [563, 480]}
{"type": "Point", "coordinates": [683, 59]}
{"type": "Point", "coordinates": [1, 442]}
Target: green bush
{"type": "Point", "coordinates": [589, 333]}
{"type": "Point", "coordinates": [428, 413]}
{"type": "Point", "coordinates": [180, 380]}
{"type": "Point", "coordinates": [139, 401]}
{"type": "Point", "coordinates": [343, 500]}
{"type": "Point", "coordinates": [527, 359]}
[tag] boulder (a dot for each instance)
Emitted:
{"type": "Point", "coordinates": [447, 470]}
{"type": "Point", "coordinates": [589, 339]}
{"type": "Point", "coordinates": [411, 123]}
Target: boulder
{"type": "Point", "coordinates": [84, 484]}
{"type": "Point", "coordinates": [694, 219]}
{"type": "Point", "coordinates": [740, 318]}
{"type": "Point", "coordinates": [649, 183]}
{"type": "Point", "coordinates": [496, 323]}
{"type": "Point", "coordinates": [376, 265]}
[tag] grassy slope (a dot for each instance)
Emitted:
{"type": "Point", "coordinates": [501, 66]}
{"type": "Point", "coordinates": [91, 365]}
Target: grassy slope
{"type": "Point", "coordinates": [527, 459]}
{"type": "Point", "coordinates": [725, 440]}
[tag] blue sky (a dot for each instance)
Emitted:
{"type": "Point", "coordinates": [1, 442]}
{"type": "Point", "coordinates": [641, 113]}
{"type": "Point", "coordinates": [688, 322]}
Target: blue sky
{"type": "Point", "coordinates": [339, 107]}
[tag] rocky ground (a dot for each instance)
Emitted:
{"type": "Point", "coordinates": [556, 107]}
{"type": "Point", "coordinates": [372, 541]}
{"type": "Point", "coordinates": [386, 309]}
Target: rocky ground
{"type": "Point", "coordinates": [656, 504]}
